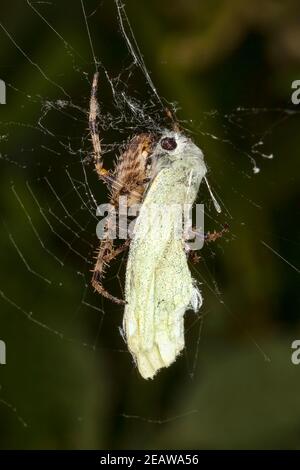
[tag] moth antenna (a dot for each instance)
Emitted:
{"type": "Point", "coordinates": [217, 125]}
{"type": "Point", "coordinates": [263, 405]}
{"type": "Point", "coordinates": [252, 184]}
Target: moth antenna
{"type": "Point", "coordinates": [214, 200]}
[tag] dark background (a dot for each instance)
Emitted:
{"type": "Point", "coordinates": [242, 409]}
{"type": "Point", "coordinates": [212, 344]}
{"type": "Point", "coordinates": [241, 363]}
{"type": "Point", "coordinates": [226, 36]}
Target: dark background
{"type": "Point", "coordinates": [69, 381]}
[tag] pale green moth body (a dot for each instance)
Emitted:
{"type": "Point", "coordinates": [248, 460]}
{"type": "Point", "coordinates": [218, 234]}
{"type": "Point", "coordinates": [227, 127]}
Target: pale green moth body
{"type": "Point", "coordinates": [159, 287]}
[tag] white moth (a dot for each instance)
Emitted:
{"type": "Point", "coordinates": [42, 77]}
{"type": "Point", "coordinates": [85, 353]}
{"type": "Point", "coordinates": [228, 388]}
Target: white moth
{"type": "Point", "coordinates": [159, 286]}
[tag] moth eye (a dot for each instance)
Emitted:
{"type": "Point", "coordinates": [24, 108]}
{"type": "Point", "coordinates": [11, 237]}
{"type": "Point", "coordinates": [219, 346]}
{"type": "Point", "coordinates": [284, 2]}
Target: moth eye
{"type": "Point", "coordinates": [168, 143]}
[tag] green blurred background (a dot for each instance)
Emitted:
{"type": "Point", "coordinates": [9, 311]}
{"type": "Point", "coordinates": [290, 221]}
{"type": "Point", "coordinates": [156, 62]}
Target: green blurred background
{"type": "Point", "coordinates": [69, 381]}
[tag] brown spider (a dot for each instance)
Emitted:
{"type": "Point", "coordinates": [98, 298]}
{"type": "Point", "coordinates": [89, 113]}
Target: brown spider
{"type": "Point", "coordinates": [130, 177]}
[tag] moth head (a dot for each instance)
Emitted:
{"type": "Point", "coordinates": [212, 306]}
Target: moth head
{"type": "Point", "coordinates": [176, 148]}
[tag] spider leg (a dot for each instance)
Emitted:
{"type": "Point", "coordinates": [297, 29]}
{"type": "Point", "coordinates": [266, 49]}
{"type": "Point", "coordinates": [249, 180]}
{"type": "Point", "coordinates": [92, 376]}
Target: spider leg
{"type": "Point", "coordinates": [208, 238]}
{"type": "Point", "coordinates": [93, 126]}
{"type": "Point", "coordinates": [105, 255]}
{"type": "Point", "coordinates": [170, 115]}
{"type": "Point", "coordinates": [193, 257]}
{"type": "Point", "coordinates": [213, 236]}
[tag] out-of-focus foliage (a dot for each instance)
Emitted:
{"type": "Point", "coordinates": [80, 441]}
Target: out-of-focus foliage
{"type": "Point", "coordinates": [206, 56]}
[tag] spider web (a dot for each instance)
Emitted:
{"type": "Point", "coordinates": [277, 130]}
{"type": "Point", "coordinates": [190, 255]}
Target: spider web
{"type": "Point", "coordinates": [52, 192]}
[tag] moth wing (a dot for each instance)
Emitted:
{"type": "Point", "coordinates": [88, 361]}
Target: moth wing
{"type": "Point", "coordinates": [160, 288]}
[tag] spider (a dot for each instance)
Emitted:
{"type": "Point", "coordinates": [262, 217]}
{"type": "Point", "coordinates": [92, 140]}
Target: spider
{"type": "Point", "coordinates": [132, 175]}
